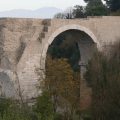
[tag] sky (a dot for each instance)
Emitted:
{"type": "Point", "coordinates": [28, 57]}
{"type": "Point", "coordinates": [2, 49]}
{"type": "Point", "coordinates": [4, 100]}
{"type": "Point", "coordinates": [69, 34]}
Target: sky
{"type": "Point", "coordinates": [36, 4]}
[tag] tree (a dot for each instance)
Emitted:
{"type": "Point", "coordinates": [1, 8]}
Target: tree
{"type": "Point", "coordinates": [95, 8]}
{"type": "Point", "coordinates": [103, 75]}
{"type": "Point", "coordinates": [113, 5]}
{"type": "Point", "coordinates": [79, 12]}
{"type": "Point", "coordinates": [67, 14]}
{"type": "Point", "coordinates": [63, 86]}
{"type": "Point", "coordinates": [96, 79]}
{"type": "Point", "coordinates": [62, 47]}
{"type": "Point", "coordinates": [12, 110]}
{"type": "Point", "coordinates": [44, 107]}
{"type": "Point", "coordinates": [60, 16]}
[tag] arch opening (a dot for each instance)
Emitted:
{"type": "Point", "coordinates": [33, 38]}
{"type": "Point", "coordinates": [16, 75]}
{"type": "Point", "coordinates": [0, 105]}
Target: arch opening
{"type": "Point", "coordinates": [74, 45]}
{"type": "Point", "coordinates": [84, 38]}
{"type": "Point", "coordinates": [78, 47]}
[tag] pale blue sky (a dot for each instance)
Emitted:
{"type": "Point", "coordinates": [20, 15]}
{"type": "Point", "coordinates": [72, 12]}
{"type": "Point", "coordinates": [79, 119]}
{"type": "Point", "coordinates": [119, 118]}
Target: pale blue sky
{"type": "Point", "coordinates": [35, 4]}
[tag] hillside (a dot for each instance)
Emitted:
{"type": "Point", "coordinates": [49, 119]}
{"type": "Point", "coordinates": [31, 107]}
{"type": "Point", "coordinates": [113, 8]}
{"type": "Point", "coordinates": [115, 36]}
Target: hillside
{"type": "Point", "coordinates": [45, 12]}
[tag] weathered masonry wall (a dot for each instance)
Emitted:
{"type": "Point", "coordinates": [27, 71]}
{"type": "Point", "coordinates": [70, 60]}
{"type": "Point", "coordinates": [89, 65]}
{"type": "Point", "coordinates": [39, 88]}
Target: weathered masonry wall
{"type": "Point", "coordinates": [24, 43]}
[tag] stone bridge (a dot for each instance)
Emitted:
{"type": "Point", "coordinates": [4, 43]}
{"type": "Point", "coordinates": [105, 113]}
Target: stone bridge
{"type": "Point", "coordinates": [24, 44]}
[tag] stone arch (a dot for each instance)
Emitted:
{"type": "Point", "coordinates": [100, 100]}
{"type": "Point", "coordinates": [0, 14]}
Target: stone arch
{"type": "Point", "coordinates": [61, 30]}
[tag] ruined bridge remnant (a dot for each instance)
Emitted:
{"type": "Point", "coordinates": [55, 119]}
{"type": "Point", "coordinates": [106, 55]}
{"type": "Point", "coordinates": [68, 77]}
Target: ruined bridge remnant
{"type": "Point", "coordinates": [24, 44]}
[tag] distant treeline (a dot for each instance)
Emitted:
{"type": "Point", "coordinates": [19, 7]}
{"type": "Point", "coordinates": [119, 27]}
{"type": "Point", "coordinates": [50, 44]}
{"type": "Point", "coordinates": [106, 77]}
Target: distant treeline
{"type": "Point", "coordinates": [92, 8]}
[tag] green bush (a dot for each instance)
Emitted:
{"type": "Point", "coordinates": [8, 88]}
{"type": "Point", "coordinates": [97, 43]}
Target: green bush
{"type": "Point", "coordinates": [11, 110]}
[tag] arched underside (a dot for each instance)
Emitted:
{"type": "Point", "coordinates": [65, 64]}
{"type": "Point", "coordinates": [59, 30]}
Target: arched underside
{"type": "Point", "coordinates": [61, 30]}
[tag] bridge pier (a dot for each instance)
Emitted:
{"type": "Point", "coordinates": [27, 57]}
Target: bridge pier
{"type": "Point", "coordinates": [87, 48]}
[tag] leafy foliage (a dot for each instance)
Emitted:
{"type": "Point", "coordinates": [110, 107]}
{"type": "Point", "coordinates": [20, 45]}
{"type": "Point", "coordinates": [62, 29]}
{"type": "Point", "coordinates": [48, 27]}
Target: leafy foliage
{"type": "Point", "coordinates": [103, 74]}
{"type": "Point", "coordinates": [113, 5]}
{"type": "Point", "coordinates": [10, 110]}
{"type": "Point", "coordinates": [95, 8]}
{"type": "Point", "coordinates": [59, 16]}
{"type": "Point", "coordinates": [44, 107]}
{"type": "Point", "coordinates": [4, 104]}
{"type": "Point", "coordinates": [67, 14]}
{"type": "Point", "coordinates": [65, 48]}
{"type": "Point", "coordinates": [63, 85]}
{"type": "Point", "coordinates": [79, 12]}
{"type": "Point", "coordinates": [71, 13]}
